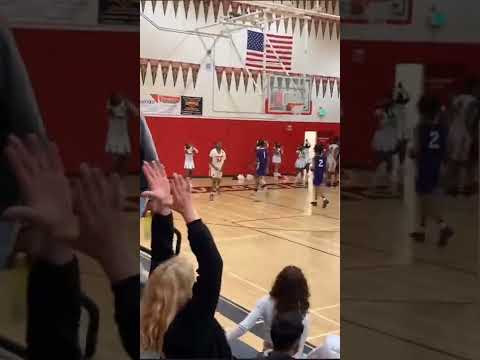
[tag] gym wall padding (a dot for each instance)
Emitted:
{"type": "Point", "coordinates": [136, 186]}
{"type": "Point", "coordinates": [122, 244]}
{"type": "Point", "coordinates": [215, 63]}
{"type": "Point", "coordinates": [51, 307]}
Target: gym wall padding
{"type": "Point", "coordinates": [238, 137]}
{"type": "Point", "coordinates": [73, 73]}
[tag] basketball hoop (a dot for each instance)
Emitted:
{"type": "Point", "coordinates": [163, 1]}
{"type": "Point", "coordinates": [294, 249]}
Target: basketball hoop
{"type": "Point", "coordinates": [296, 109]}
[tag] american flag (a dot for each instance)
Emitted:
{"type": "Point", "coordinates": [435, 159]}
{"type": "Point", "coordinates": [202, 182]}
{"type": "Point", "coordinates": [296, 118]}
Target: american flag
{"type": "Point", "coordinates": [282, 45]}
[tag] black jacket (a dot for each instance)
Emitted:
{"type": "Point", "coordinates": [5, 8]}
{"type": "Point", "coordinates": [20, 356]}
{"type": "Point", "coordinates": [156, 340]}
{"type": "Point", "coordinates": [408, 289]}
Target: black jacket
{"type": "Point", "coordinates": [194, 333]}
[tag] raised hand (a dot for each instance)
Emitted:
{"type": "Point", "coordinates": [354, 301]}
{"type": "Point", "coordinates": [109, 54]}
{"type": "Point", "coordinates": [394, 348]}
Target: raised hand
{"type": "Point", "coordinates": [182, 198]}
{"type": "Point", "coordinates": [45, 191]}
{"type": "Point", "coordinates": [160, 192]}
{"type": "Point", "coordinates": [99, 202]}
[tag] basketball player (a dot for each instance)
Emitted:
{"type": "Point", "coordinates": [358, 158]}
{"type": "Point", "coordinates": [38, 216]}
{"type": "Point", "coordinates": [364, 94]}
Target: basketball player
{"type": "Point", "coordinates": [300, 165]}
{"type": "Point", "coordinates": [190, 152]}
{"type": "Point", "coordinates": [120, 111]}
{"type": "Point", "coordinates": [332, 157]}
{"type": "Point", "coordinates": [383, 145]}
{"type": "Point", "coordinates": [429, 151]}
{"type": "Point", "coordinates": [261, 168]}
{"type": "Point", "coordinates": [277, 159]}
{"type": "Point", "coordinates": [318, 168]}
{"type": "Point", "coordinates": [306, 156]}
{"type": "Point", "coordinates": [217, 160]}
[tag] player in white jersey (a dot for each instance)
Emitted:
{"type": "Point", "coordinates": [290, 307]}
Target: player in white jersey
{"type": "Point", "coordinates": [277, 159]}
{"type": "Point", "coordinates": [120, 111]}
{"type": "Point", "coordinates": [217, 161]}
{"type": "Point", "coordinates": [332, 161]}
{"type": "Point", "coordinates": [300, 165]}
{"type": "Point", "coordinates": [189, 166]}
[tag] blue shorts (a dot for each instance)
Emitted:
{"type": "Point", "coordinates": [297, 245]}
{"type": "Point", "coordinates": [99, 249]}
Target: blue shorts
{"type": "Point", "coordinates": [318, 179]}
{"type": "Point", "coordinates": [428, 179]}
{"type": "Point", "coordinates": [261, 170]}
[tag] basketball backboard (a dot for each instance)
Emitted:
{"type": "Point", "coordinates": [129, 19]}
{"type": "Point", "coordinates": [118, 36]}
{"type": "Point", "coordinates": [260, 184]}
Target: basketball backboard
{"type": "Point", "coordinates": [288, 94]}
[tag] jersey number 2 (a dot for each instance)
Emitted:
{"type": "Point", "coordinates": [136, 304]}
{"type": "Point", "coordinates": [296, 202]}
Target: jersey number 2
{"type": "Point", "coordinates": [434, 137]}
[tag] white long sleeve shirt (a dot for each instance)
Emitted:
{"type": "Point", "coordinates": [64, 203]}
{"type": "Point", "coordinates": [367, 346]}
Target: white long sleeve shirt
{"type": "Point", "coordinates": [265, 310]}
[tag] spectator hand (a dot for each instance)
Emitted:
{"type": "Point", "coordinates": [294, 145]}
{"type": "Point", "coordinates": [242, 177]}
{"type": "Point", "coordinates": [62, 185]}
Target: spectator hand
{"type": "Point", "coordinates": [47, 199]}
{"type": "Point", "coordinates": [99, 203]}
{"type": "Point", "coordinates": [160, 192]}
{"type": "Point", "coordinates": [182, 199]}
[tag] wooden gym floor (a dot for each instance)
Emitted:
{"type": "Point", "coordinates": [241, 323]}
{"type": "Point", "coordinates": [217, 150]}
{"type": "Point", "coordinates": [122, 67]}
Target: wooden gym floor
{"type": "Point", "coordinates": [402, 300]}
{"type": "Point", "coordinates": [258, 239]}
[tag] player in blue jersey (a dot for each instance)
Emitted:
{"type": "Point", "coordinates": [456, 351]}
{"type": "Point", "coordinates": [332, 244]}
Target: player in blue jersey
{"type": "Point", "coordinates": [429, 150]}
{"type": "Point", "coordinates": [318, 168]}
{"type": "Point", "coordinates": [262, 163]}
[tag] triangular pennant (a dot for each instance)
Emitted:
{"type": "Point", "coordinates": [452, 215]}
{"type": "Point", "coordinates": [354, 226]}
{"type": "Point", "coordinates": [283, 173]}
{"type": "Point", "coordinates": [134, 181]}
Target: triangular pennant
{"type": "Point", "coordinates": [269, 17]}
{"type": "Point", "coordinates": [255, 74]}
{"type": "Point", "coordinates": [195, 71]}
{"type": "Point", "coordinates": [331, 81]}
{"type": "Point", "coordinates": [304, 4]}
{"type": "Point", "coordinates": [175, 69]}
{"type": "Point", "coordinates": [287, 83]}
{"type": "Point", "coordinates": [237, 73]}
{"type": "Point", "coordinates": [337, 28]}
{"type": "Point", "coordinates": [228, 74]}
{"type": "Point", "coordinates": [324, 85]}
{"type": "Point", "coordinates": [338, 87]}
{"type": "Point", "coordinates": [154, 5]}
{"type": "Point", "coordinates": [143, 69]}
{"type": "Point", "coordinates": [175, 6]}
{"type": "Point", "coordinates": [219, 70]}
{"type": "Point", "coordinates": [206, 7]}
{"type": "Point", "coordinates": [216, 8]}
{"type": "Point", "coordinates": [196, 6]}
{"type": "Point", "coordinates": [318, 80]}
{"type": "Point", "coordinates": [225, 6]}
{"type": "Point", "coordinates": [272, 82]}
{"type": "Point", "coordinates": [324, 26]}
{"type": "Point", "coordinates": [316, 22]}
{"type": "Point", "coordinates": [165, 66]}
{"type": "Point", "coordinates": [297, 3]}
{"type": "Point", "coordinates": [302, 24]}
{"type": "Point", "coordinates": [142, 5]}
{"type": "Point", "coordinates": [186, 7]}
{"type": "Point", "coordinates": [185, 67]}
{"type": "Point", "coordinates": [309, 27]}
{"type": "Point", "coordinates": [246, 76]}
{"type": "Point", "coordinates": [334, 6]}
{"type": "Point", "coordinates": [154, 69]}
{"type": "Point", "coordinates": [285, 24]}
{"type": "Point", "coordinates": [326, 5]}
{"type": "Point", "coordinates": [164, 5]}
{"type": "Point", "coordinates": [278, 24]}
{"type": "Point", "coordinates": [235, 8]}
{"type": "Point", "coordinates": [331, 24]}
{"type": "Point", "coordinates": [294, 23]}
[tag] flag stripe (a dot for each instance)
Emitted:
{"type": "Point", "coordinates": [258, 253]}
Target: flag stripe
{"type": "Point", "coordinates": [262, 53]}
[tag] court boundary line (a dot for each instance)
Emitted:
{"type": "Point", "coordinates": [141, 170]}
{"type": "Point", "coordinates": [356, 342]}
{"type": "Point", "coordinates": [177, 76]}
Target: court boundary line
{"type": "Point", "coordinates": [406, 340]}
{"type": "Point", "coordinates": [295, 242]}
{"type": "Point", "coordinates": [409, 301]}
{"type": "Point", "coordinates": [415, 258]}
{"type": "Point", "coordinates": [258, 287]}
{"type": "Point", "coordinates": [280, 229]}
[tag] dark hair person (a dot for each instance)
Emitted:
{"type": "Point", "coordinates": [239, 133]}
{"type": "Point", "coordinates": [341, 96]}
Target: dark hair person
{"type": "Point", "coordinates": [289, 293]}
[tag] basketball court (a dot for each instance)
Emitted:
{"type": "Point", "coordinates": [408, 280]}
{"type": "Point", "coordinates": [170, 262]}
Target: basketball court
{"type": "Point", "coordinates": [248, 71]}
{"type": "Point", "coordinates": [257, 239]}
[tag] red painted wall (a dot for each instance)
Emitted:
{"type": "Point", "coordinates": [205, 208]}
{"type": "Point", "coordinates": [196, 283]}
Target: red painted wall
{"type": "Point", "coordinates": [365, 83]}
{"type": "Point", "coordinates": [72, 73]}
{"type": "Point", "coordinates": [238, 137]}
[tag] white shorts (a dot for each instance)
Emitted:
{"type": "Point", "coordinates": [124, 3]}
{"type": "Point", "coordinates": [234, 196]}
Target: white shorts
{"type": "Point", "coordinates": [331, 164]}
{"type": "Point", "coordinates": [276, 159]}
{"type": "Point", "coordinates": [216, 174]}
{"type": "Point", "coordinates": [300, 164]}
{"type": "Point", "coordinates": [189, 164]}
